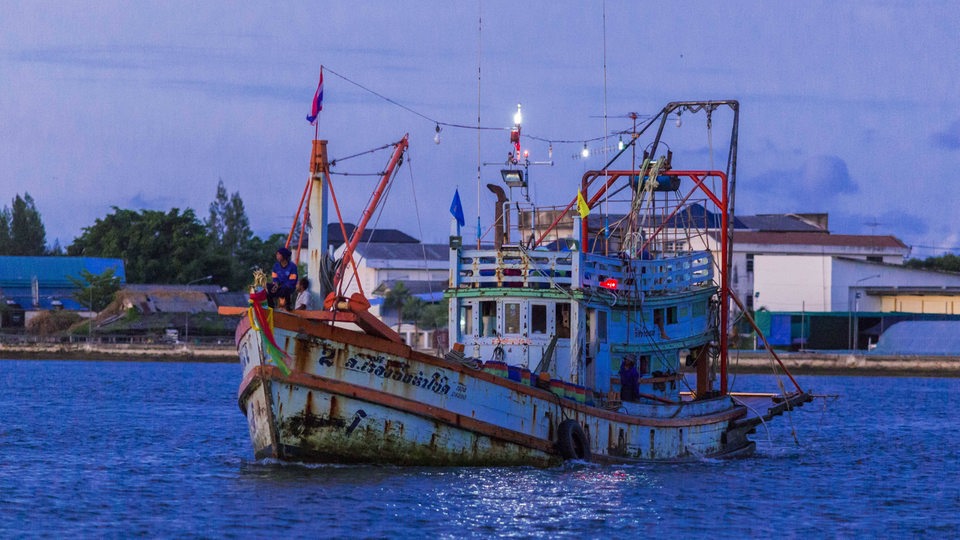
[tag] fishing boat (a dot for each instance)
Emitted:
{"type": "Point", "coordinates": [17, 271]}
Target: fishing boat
{"type": "Point", "coordinates": [541, 322]}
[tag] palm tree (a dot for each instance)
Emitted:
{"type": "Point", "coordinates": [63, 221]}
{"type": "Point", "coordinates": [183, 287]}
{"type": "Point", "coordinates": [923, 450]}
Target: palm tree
{"type": "Point", "coordinates": [396, 297]}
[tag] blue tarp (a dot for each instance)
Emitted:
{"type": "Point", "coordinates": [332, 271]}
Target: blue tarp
{"type": "Point", "coordinates": [779, 330]}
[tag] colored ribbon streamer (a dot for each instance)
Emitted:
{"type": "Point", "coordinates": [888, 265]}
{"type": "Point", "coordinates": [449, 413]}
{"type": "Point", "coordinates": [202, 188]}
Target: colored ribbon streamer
{"type": "Point", "coordinates": [261, 320]}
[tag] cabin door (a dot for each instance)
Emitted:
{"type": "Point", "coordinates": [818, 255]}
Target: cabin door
{"type": "Point", "coordinates": [598, 347]}
{"type": "Point", "coordinates": [561, 328]}
{"type": "Point", "coordinates": [540, 323]}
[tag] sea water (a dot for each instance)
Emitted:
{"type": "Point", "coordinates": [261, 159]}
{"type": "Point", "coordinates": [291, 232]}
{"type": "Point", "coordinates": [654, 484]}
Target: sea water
{"type": "Point", "coordinates": [159, 449]}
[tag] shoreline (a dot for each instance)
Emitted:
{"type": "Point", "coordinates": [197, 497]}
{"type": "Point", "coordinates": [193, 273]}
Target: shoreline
{"type": "Point", "coordinates": [181, 352]}
{"type": "Point", "coordinates": [752, 362]}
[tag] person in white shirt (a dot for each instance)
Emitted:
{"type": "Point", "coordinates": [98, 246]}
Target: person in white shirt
{"type": "Point", "coordinates": [304, 299]}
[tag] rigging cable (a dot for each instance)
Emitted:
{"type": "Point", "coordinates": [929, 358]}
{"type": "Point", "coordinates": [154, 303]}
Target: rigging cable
{"type": "Point", "coordinates": [464, 126]}
{"type": "Point", "coordinates": [479, 80]}
{"type": "Point", "coordinates": [606, 207]}
{"type": "Point", "coordinates": [423, 247]}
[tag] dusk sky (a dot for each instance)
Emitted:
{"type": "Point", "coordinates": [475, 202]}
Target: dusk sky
{"type": "Point", "coordinates": [850, 108]}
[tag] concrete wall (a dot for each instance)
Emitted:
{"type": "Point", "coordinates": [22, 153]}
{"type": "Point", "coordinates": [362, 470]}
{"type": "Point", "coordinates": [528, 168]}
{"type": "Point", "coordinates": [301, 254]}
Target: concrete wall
{"type": "Point", "coordinates": [826, 283]}
{"type": "Point", "coordinates": [792, 282]}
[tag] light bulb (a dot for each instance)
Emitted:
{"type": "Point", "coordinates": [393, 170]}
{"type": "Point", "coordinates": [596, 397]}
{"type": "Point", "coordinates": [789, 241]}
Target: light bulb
{"type": "Point", "coordinates": [436, 136]}
{"type": "Point", "coordinates": [585, 153]}
{"type": "Point", "coordinates": [550, 152]}
{"type": "Point", "coordinates": [679, 120]}
{"type": "Point", "coordinates": [517, 116]}
{"type": "Point", "coordinates": [620, 144]}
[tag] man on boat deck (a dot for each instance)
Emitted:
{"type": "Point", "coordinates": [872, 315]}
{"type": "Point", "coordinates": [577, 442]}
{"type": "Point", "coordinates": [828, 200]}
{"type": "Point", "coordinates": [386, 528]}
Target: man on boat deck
{"type": "Point", "coordinates": [284, 278]}
{"type": "Point", "coordinates": [629, 380]}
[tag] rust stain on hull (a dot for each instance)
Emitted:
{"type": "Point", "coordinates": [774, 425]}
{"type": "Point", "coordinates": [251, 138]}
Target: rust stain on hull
{"type": "Point", "coordinates": [378, 417]}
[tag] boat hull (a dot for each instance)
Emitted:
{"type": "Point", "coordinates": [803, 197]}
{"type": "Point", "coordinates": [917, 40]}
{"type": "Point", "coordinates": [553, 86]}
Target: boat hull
{"type": "Point", "coordinates": [354, 398]}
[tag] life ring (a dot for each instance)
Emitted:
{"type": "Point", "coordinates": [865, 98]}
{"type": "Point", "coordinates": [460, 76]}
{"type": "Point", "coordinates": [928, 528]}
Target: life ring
{"type": "Point", "coordinates": [572, 441]}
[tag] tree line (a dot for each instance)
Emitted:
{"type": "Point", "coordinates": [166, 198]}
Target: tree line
{"type": "Point", "coordinates": [170, 247]}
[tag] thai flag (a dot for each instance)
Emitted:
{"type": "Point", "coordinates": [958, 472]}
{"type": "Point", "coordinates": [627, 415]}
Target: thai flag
{"type": "Point", "coordinates": [317, 102]}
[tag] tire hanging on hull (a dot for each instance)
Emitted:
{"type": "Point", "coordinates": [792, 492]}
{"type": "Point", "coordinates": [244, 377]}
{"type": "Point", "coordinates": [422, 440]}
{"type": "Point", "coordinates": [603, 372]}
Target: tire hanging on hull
{"type": "Point", "coordinates": [572, 441]}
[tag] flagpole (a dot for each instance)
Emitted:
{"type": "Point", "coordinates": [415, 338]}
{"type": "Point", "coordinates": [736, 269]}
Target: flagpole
{"type": "Point", "coordinates": [316, 125]}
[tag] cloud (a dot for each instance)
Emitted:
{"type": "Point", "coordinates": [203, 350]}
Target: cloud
{"type": "Point", "coordinates": [818, 178]}
{"type": "Point", "coordinates": [948, 139]}
{"type": "Point", "coordinates": [826, 174]}
{"type": "Point", "coordinates": [142, 202]}
{"type": "Point", "coordinates": [891, 222]}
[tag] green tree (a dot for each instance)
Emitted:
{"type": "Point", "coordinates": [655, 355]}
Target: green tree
{"type": "Point", "coordinates": [95, 291]}
{"type": "Point", "coordinates": [434, 315]}
{"type": "Point", "coordinates": [396, 298]}
{"type": "Point", "coordinates": [232, 239]}
{"type": "Point", "coordinates": [25, 230]}
{"type": "Point", "coordinates": [944, 263]}
{"type": "Point", "coordinates": [6, 243]}
{"type": "Point", "coordinates": [156, 247]}
{"type": "Point", "coordinates": [236, 227]}
{"type": "Point", "coordinates": [218, 211]}
{"type": "Point", "coordinates": [413, 309]}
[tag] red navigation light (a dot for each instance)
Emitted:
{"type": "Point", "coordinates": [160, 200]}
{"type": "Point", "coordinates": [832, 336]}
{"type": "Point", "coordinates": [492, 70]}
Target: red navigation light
{"type": "Point", "coordinates": [609, 283]}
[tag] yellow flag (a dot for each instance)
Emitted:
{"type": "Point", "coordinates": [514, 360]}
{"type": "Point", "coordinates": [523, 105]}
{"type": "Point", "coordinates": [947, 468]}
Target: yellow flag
{"type": "Point", "coordinates": [582, 205]}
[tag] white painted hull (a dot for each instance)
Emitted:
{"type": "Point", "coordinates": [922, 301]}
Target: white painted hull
{"type": "Point", "coordinates": [354, 398]}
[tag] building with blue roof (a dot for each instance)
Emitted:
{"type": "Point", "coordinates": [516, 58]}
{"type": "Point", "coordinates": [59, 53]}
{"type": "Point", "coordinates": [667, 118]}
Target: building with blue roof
{"type": "Point", "coordinates": [36, 284]}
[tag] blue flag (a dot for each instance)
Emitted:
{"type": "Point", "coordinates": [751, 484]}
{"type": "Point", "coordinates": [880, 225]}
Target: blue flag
{"type": "Point", "coordinates": [456, 209]}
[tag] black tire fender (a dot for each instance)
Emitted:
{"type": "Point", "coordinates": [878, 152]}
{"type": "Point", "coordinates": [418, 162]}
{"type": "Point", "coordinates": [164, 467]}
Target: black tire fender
{"type": "Point", "coordinates": [572, 441]}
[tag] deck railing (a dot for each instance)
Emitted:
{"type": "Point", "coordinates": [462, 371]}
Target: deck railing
{"type": "Point", "coordinates": [517, 267]}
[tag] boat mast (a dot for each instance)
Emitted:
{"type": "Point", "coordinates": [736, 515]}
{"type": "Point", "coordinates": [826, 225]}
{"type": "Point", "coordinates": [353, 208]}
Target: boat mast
{"type": "Point", "coordinates": [317, 208]}
{"type": "Point", "coordinates": [726, 208]}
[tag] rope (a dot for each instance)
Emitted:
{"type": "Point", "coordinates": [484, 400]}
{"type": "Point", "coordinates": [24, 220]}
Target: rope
{"type": "Point", "coordinates": [760, 416]}
{"type": "Point", "coordinates": [416, 210]}
{"type": "Point", "coordinates": [365, 152]}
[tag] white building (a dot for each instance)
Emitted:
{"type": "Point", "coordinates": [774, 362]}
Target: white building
{"type": "Point", "coordinates": [793, 268]}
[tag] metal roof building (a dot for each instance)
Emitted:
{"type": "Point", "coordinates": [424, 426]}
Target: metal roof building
{"type": "Point", "coordinates": [42, 282]}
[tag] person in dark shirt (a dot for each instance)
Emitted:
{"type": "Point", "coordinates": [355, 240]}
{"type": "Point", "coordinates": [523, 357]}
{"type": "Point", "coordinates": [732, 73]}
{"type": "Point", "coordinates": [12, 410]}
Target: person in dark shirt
{"type": "Point", "coordinates": [629, 380]}
{"type": "Point", "coordinates": [284, 277]}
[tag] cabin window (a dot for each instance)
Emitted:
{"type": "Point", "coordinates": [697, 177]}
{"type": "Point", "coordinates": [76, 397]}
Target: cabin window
{"type": "Point", "coordinates": [672, 315]}
{"type": "Point", "coordinates": [511, 318]}
{"type": "Point", "coordinates": [466, 320]}
{"type": "Point", "coordinates": [602, 326]}
{"type": "Point", "coordinates": [488, 318]}
{"type": "Point", "coordinates": [749, 263]}
{"type": "Point", "coordinates": [875, 258]}
{"type": "Point", "coordinates": [538, 319]}
{"type": "Point", "coordinates": [563, 321]}
{"type": "Point", "coordinates": [643, 366]}
{"type": "Point", "coordinates": [700, 308]}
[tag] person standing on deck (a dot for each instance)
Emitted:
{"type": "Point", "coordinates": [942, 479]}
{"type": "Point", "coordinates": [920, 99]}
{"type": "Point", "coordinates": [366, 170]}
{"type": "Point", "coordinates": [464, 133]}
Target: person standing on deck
{"type": "Point", "coordinates": [284, 278]}
{"type": "Point", "coordinates": [629, 380]}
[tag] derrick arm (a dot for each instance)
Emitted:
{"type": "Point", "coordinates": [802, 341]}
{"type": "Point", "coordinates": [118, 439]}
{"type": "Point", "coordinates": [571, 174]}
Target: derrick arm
{"type": "Point", "coordinates": [398, 151]}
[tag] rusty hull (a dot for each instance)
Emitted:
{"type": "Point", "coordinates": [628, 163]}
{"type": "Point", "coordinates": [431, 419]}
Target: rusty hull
{"type": "Point", "coordinates": [355, 398]}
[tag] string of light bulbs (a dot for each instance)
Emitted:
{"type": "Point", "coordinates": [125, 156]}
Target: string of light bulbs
{"type": "Point", "coordinates": [438, 123]}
